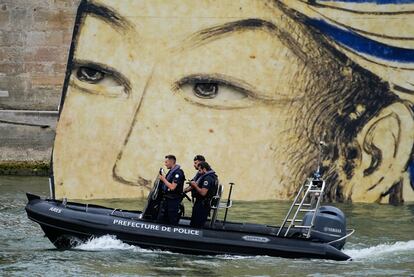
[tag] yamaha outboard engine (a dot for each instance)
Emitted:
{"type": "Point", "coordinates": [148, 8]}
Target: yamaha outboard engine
{"type": "Point", "coordinates": [329, 225]}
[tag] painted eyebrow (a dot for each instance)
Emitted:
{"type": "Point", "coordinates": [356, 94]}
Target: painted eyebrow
{"type": "Point", "coordinates": [219, 31]}
{"type": "Point", "coordinates": [106, 14]}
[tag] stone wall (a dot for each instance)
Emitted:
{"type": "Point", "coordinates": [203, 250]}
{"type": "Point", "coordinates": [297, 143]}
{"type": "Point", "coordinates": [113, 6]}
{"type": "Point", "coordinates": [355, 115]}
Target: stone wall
{"type": "Point", "coordinates": [35, 38]}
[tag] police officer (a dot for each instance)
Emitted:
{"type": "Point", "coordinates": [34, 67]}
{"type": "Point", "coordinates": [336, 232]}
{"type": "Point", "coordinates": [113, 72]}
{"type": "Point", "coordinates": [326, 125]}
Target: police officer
{"type": "Point", "coordinates": [204, 189]}
{"type": "Point", "coordinates": [172, 187]}
{"type": "Point", "coordinates": [197, 160]}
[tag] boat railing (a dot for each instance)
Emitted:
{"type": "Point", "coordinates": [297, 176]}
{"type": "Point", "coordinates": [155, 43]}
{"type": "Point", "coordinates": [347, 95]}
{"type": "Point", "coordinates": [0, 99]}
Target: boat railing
{"type": "Point", "coordinates": [225, 205]}
{"type": "Point", "coordinates": [350, 232]}
{"type": "Point", "coordinates": [308, 199]}
{"type": "Point", "coordinates": [216, 205]}
{"type": "Point", "coordinates": [122, 212]}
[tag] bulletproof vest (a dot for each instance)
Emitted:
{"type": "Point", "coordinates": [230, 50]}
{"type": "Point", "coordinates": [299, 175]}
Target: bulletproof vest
{"type": "Point", "coordinates": [213, 189]}
{"type": "Point", "coordinates": [180, 184]}
{"type": "Point", "coordinates": [195, 179]}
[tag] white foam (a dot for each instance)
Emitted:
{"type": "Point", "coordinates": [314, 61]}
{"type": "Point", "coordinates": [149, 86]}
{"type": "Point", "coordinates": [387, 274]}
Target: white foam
{"type": "Point", "coordinates": [110, 242]}
{"type": "Point", "coordinates": [106, 242]}
{"type": "Point", "coordinates": [380, 250]}
{"type": "Point", "coordinates": [235, 257]}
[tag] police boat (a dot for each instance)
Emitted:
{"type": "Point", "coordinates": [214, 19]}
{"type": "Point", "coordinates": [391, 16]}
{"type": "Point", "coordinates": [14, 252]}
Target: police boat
{"type": "Point", "coordinates": [308, 230]}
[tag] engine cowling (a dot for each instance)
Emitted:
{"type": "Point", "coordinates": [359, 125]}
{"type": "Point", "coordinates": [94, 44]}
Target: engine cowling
{"type": "Point", "coordinates": [329, 225]}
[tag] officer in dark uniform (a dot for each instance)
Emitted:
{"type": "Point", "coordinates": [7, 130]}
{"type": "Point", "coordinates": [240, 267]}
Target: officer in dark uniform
{"type": "Point", "coordinates": [204, 189]}
{"type": "Point", "coordinates": [197, 160]}
{"type": "Point", "coordinates": [172, 187]}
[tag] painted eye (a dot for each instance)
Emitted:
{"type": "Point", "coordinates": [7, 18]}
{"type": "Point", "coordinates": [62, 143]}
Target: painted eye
{"type": "Point", "coordinates": [99, 79]}
{"type": "Point", "coordinates": [89, 75]}
{"type": "Point", "coordinates": [206, 90]}
{"type": "Point", "coordinates": [214, 92]}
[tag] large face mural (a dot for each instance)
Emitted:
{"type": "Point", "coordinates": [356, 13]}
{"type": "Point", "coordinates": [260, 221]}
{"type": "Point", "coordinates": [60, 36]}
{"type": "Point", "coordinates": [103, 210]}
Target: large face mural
{"type": "Point", "coordinates": [251, 85]}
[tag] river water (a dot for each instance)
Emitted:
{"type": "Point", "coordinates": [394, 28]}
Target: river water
{"type": "Point", "coordinates": [383, 244]}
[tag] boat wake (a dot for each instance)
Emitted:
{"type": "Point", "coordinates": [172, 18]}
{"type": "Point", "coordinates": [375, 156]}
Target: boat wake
{"type": "Point", "coordinates": [103, 243]}
{"type": "Point", "coordinates": [110, 243]}
{"type": "Point", "coordinates": [381, 250]}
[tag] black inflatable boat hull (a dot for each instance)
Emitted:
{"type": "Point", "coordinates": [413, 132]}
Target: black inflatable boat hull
{"type": "Point", "coordinates": [68, 224]}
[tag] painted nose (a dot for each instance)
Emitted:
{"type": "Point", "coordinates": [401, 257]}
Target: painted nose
{"type": "Point", "coordinates": [138, 155]}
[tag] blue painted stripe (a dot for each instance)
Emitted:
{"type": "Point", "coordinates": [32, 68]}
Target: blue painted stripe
{"type": "Point", "coordinates": [361, 44]}
{"type": "Point", "coordinates": [411, 172]}
{"type": "Point", "coordinates": [379, 2]}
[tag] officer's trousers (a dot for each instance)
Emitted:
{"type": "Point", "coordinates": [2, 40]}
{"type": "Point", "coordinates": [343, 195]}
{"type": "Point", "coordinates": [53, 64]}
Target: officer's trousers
{"type": "Point", "coordinates": [169, 211]}
{"type": "Point", "coordinates": [200, 214]}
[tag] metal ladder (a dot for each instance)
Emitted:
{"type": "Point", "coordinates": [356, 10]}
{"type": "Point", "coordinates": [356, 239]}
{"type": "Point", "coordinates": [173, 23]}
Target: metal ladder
{"type": "Point", "coordinates": [308, 199]}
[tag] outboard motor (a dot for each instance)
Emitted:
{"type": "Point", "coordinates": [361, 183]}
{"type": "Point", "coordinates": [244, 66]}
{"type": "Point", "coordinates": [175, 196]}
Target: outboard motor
{"type": "Point", "coordinates": [329, 225]}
